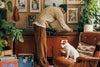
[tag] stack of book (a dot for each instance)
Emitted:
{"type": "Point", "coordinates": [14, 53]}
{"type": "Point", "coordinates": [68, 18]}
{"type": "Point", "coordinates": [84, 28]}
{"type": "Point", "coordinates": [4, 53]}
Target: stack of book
{"type": "Point", "coordinates": [7, 58]}
{"type": "Point", "coordinates": [8, 61]}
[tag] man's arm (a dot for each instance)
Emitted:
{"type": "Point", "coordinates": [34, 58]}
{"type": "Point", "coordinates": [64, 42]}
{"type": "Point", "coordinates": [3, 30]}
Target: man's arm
{"type": "Point", "coordinates": [60, 18]}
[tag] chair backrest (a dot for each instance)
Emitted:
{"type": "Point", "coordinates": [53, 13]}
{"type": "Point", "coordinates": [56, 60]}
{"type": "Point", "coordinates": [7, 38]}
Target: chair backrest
{"type": "Point", "coordinates": [92, 38]}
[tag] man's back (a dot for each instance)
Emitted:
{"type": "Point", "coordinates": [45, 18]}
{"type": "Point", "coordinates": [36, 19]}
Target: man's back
{"type": "Point", "coordinates": [48, 15]}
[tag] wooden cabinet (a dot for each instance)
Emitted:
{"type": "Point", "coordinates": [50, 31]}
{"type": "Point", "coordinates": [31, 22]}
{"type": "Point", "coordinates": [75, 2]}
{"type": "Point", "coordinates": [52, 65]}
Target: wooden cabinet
{"type": "Point", "coordinates": [28, 46]}
{"type": "Point", "coordinates": [53, 43]}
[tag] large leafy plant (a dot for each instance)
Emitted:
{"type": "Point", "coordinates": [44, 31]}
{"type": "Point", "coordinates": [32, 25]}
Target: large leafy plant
{"type": "Point", "coordinates": [9, 28]}
{"type": "Point", "coordinates": [89, 11]}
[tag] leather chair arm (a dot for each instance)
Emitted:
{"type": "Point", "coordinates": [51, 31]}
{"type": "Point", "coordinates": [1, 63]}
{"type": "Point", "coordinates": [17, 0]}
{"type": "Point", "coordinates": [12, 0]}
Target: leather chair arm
{"type": "Point", "coordinates": [87, 59]}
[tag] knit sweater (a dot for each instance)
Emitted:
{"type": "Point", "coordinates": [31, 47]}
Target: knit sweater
{"type": "Point", "coordinates": [49, 15]}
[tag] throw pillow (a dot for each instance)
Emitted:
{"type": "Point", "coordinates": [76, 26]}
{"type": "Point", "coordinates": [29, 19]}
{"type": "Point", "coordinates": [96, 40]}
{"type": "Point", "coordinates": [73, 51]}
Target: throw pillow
{"type": "Point", "coordinates": [86, 49]}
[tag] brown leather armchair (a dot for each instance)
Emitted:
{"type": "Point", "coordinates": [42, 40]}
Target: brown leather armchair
{"type": "Point", "coordinates": [86, 37]}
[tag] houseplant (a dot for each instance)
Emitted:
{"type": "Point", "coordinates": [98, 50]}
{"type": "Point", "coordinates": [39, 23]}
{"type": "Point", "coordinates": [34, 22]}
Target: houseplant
{"type": "Point", "coordinates": [9, 28]}
{"type": "Point", "coordinates": [88, 14]}
{"type": "Point", "coordinates": [3, 43]}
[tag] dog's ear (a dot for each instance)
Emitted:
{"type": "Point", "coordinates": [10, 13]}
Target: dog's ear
{"type": "Point", "coordinates": [61, 41]}
{"type": "Point", "coordinates": [64, 42]}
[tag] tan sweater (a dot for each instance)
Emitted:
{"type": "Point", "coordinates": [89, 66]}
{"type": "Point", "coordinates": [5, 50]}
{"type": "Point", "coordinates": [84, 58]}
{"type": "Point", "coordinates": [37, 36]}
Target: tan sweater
{"type": "Point", "coordinates": [49, 15]}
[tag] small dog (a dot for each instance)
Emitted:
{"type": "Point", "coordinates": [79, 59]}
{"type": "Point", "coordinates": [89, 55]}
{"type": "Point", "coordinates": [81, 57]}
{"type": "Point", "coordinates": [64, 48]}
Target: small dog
{"type": "Point", "coordinates": [71, 52]}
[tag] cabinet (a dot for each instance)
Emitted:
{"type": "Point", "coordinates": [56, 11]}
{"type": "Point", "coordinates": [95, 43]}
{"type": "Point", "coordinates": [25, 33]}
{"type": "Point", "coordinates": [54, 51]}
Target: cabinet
{"type": "Point", "coordinates": [53, 43]}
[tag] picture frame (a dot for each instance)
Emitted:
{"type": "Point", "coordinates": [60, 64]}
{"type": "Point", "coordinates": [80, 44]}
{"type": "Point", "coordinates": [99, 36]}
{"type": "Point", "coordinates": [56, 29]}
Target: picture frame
{"type": "Point", "coordinates": [30, 19]}
{"type": "Point", "coordinates": [22, 5]}
{"type": "Point", "coordinates": [74, 1]}
{"type": "Point", "coordinates": [35, 5]}
{"type": "Point", "coordinates": [72, 15]}
{"type": "Point", "coordinates": [54, 2]}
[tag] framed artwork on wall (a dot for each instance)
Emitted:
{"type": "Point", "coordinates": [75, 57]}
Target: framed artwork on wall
{"type": "Point", "coordinates": [74, 1]}
{"type": "Point", "coordinates": [35, 5]}
{"type": "Point", "coordinates": [53, 2]}
{"type": "Point", "coordinates": [72, 15]}
{"type": "Point", "coordinates": [22, 5]}
{"type": "Point", "coordinates": [30, 19]}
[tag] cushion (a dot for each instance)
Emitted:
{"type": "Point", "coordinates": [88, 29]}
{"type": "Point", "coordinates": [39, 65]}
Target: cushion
{"type": "Point", "coordinates": [86, 49]}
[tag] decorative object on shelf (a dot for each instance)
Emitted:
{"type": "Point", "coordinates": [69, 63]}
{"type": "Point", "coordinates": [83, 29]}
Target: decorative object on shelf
{"type": "Point", "coordinates": [89, 13]}
{"type": "Point", "coordinates": [74, 1]}
{"type": "Point", "coordinates": [72, 15]}
{"type": "Point", "coordinates": [22, 5]}
{"type": "Point", "coordinates": [35, 5]}
{"type": "Point", "coordinates": [30, 20]}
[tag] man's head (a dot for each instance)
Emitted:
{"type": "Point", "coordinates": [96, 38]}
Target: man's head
{"type": "Point", "coordinates": [63, 7]}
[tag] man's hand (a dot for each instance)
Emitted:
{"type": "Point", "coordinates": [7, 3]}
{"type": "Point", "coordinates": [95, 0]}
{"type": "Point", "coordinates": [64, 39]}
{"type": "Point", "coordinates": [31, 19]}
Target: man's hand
{"type": "Point", "coordinates": [71, 30]}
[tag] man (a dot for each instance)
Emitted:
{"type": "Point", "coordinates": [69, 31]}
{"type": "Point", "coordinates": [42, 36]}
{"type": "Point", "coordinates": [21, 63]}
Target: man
{"type": "Point", "coordinates": [47, 16]}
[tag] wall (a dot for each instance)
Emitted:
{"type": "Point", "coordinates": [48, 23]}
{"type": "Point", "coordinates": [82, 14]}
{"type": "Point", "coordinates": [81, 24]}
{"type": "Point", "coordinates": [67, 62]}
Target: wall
{"type": "Point", "coordinates": [22, 23]}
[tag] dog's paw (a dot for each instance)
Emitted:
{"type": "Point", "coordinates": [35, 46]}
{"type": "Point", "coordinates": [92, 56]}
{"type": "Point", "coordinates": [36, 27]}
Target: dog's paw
{"type": "Point", "coordinates": [66, 58]}
{"type": "Point", "coordinates": [74, 60]}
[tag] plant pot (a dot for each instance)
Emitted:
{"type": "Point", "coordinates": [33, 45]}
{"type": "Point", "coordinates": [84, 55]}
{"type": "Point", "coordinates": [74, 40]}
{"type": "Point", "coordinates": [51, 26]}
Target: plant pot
{"type": "Point", "coordinates": [88, 27]}
{"type": "Point", "coordinates": [2, 4]}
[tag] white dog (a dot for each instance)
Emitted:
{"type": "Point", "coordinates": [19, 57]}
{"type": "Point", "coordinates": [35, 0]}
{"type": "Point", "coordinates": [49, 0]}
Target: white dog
{"type": "Point", "coordinates": [71, 52]}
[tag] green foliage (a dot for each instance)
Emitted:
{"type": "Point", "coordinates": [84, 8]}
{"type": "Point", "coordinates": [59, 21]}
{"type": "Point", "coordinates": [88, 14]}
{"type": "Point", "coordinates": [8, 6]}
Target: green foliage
{"type": "Point", "coordinates": [8, 28]}
{"type": "Point", "coordinates": [3, 43]}
{"type": "Point", "coordinates": [3, 0]}
{"type": "Point", "coordinates": [9, 4]}
{"type": "Point", "coordinates": [89, 11]}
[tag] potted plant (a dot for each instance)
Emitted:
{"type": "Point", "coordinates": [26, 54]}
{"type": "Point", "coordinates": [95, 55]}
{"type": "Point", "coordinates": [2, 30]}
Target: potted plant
{"type": "Point", "coordinates": [9, 28]}
{"type": "Point", "coordinates": [3, 43]}
{"type": "Point", "coordinates": [88, 14]}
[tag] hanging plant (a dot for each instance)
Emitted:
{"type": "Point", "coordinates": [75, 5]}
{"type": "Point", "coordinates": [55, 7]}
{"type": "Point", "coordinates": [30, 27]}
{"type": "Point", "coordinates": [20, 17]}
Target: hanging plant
{"type": "Point", "coordinates": [9, 4]}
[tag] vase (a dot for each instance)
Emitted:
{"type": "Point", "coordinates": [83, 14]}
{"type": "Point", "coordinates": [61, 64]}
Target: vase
{"type": "Point", "coordinates": [88, 27]}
